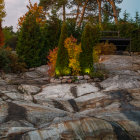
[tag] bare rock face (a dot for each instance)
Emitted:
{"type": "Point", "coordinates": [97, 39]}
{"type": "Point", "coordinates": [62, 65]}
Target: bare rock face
{"type": "Point", "coordinates": [43, 69]}
{"type": "Point", "coordinates": [33, 109]}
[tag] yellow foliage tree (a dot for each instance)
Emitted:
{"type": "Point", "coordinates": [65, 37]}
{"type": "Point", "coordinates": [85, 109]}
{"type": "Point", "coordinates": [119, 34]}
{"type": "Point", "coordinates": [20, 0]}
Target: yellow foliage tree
{"type": "Point", "coordinates": [74, 51]}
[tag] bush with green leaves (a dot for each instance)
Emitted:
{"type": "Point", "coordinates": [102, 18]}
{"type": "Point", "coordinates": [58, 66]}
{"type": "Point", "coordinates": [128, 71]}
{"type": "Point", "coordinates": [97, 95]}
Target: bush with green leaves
{"type": "Point", "coordinates": [4, 60]}
{"type": "Point", "coordinates": [9, 62]}
{"type": "Point", "coordinates": [99, 71]}
{"type": "Point", "coordinates": [105, 48]}
{"type": "Point", "coordinates": [62, 62]}
{"type": "Point", "coordinates": [31, 47]}
{"type": "Point", "coordinates": [90, 37]}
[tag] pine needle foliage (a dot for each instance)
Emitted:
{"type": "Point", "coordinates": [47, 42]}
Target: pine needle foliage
{"type": "Point", "coordinates": [62, 63]}
{"type": "Point", "coordinates": [90, 37]}
{"type": "Point", "coordinates": [31, 46]}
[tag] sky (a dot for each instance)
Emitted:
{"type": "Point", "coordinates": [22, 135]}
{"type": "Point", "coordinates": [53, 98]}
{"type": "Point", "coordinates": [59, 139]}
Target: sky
{"type": "Point", "coordinates": [17, 8]}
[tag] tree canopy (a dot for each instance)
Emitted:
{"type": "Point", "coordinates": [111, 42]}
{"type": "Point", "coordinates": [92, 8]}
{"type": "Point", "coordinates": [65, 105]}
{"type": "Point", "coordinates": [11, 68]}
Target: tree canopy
{"type": "Point", "coordinates": [85, 9]}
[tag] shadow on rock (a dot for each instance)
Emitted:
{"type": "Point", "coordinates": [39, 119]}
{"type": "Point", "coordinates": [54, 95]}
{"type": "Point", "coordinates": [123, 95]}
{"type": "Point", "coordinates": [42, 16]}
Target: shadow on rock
{"type": "Point", "coordinates": [15, 112]}
{"type": "Point", "coordinates": [130, 111]}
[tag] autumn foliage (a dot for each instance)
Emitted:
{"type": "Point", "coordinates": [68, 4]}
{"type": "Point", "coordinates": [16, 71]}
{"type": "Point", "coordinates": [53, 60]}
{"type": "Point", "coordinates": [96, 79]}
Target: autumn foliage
{"type": "Point", "coordinates": [74, 51]}
{"type": "Point", "coordinates": [105, 48]}
{"type": "Point", "coordinates": [52, 61]}
{"type": "Point", "coordinates": [35, 10]}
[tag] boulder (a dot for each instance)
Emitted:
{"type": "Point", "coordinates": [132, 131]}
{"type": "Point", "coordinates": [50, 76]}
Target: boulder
{"type": "Point", "coordinates": [29, 89]}
{"type": "Point", "coordinates": [42, 69]}
{"type": "Point", "coordinates": [32, 75]}
{"type": "Point", "coordinates": [86, 77]}
{"type": "Point", "coordinates": [121, 82]}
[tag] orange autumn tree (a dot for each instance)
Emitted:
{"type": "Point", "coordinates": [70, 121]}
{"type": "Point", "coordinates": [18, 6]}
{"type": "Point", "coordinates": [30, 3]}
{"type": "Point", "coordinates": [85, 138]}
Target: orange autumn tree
{"type": "Point", "coordinates": [37, 11]}
{"type": "Point", "coordinates": [74, 51]}
{"type": "Point", "coordinates": [52, 61]}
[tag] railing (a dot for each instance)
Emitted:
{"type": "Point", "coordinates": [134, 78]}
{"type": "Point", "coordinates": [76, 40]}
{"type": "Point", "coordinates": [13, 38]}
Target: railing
{"type": "Point", "coordinates": [110, 34]}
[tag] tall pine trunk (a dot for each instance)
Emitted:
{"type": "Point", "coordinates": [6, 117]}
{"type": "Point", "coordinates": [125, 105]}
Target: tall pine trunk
{"type": "Point", "coordinates": [100, 16]}
{"type": "Point", "coordinates": [1, 35]}
{"type": "Point", "coordinates": [114, 10]}
{"type": "Point", "coordinates": [83, 13]}
{"type": "Point", "coordinates": [77, 14]}
{"type": "Point", "coordinates": [64, 13]}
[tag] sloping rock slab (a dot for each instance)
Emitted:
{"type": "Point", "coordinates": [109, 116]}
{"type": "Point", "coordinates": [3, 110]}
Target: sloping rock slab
{"type": "Point", "coordinates": [121, 82]}
{"type": "Point", "coordinates": [66, 91]}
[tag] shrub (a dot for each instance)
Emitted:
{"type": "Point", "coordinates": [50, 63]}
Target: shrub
{"type": "Point", "coordinates": [17, 64]}
{"type": "Point", "coordinates": [62, 62]}
{"type": "Point", "coordinates": [98, 74]}
{"type": "Point", "coordinates": [105, 48]}
{"type": "Point", "coordinates": [99, 71]}
{"type": "Point", "coordinates": [95, 56]}
{"type": "Point", "coordinates": [52, 57]}
{"type": "Point", "coordinates": [73, 52]}
{"type": "Point", "coordinates": [4, 60]}
{"type": "Point", "coordinates": [9, 62]}
{"type": "Point", "coordinates": [90, 37]}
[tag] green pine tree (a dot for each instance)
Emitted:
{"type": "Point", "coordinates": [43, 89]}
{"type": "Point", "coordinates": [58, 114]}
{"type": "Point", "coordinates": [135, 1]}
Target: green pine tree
{"type": "Point", "coordinates": [89, 39]}
{"type": "Point", "coordinates": [52, 31]}
{"type": "Point", "coordinates": [31, 46]}
{"type": "Point", "coordinates": [62, 57]}
{"type": "Point", "coordinates": [125, 16]}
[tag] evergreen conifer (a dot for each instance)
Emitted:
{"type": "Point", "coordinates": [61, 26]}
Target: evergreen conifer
{"type": "Point", "coordinates": [62, 63]}
{"type": "Point", "coordinates": [31, 46]}
{"type": "Point", "coordinates": [90, 37]}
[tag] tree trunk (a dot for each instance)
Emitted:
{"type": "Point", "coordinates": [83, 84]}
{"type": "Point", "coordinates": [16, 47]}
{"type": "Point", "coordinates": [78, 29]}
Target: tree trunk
{"type": "Point", "coordinates": [83, 13]}
{"type": "Point", "coordinates": [64, 12]}
{"type": "Point", "coordinates": [100, 16]}
{"type": "Point", "coordinates": [77, 15]}
{"type": "Point", "coordinates": [1, 35]}
{"type": "Point", "coordinates": [114, 10]}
